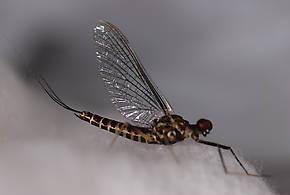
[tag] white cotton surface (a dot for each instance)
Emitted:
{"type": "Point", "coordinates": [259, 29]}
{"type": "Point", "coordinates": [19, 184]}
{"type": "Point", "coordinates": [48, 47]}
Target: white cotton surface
{"type": "Point", "coordinates": [47, 150]}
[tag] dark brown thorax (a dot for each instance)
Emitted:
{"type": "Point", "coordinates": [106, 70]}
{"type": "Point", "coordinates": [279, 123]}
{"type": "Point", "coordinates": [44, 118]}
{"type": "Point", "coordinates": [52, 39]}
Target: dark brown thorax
{"type": "Point", "coordinates": [171, 128]}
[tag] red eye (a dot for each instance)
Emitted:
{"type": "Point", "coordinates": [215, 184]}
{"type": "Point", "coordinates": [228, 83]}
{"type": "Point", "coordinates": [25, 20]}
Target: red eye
{"type": "Point", "coordinates": [204, 124]}
{"type": "Point", "coordinates": [201, 125]}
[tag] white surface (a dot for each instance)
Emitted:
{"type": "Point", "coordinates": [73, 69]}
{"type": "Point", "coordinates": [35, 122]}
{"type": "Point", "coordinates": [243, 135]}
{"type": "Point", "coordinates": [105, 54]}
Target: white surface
{"type": "Point", "coordinates": [225, 60]}
{"type": "Point", "coordinates": [46, 150]}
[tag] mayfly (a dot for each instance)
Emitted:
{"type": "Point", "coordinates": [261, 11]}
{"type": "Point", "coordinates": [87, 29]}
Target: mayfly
{"type": "Point", "coordinates": [152, 119]}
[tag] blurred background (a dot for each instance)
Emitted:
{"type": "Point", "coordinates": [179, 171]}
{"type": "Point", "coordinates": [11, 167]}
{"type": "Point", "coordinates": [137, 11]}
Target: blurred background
{"type": "Point", "coordinates": [225, 60]}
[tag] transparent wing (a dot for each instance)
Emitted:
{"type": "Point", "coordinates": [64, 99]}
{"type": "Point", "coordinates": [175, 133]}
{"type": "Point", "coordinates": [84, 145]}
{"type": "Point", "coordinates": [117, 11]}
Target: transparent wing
{"type": "Point", "coordinates": [130, 88]}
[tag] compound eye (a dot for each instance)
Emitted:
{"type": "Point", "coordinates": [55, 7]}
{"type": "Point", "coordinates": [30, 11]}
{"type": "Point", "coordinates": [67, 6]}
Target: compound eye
{"type": "Point", "coordinates": [204, 124]}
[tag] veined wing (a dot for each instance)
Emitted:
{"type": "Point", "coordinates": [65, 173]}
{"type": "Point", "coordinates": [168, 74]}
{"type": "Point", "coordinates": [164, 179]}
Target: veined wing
{"type": "Point", "coordinates": [130, 87]}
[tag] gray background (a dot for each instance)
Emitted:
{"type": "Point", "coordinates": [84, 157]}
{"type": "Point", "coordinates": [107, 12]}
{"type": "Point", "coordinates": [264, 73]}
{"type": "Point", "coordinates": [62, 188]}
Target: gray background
{"type": "Point", "coordinates": [224, 60]}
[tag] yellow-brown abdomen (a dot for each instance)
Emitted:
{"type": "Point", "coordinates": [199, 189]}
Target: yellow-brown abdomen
{"type": "Point", "coordinates": [125, 130]}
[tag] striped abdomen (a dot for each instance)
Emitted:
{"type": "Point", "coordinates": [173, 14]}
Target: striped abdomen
{"type": "Point", "coordinates": [125, 130]}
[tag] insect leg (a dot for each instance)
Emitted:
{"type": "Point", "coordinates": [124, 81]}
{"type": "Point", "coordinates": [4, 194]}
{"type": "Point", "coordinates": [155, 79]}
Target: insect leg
{"type": "Point", "coordinates": [220, 146]}
{"type": "Point", "coordinates": [166, 141]}
{"type": "Point", "coordinates": [222, 160]}
{"type": "Point", "coordinates": [114, 140]}
{"type": "Point", "coordinates": [173, 154]}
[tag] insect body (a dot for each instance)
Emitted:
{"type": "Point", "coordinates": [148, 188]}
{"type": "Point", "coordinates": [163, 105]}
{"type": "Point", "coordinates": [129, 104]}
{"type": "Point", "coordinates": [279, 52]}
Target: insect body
{"type": "Point", "coordinates": [168, 129]}
{"type": "Point", "coordinates": [152, 119]}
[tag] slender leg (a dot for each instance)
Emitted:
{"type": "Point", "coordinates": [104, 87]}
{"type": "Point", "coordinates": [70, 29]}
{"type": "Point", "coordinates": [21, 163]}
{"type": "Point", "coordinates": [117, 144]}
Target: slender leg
{"type": "Point", "coordinates": [173, 154]}
{"type": "Point", "coordinates": [114, 140]}
{"type": "Point", "coordinates": [219, 146]}
{"type": "Point", "coordinates": [170, 149]}
{"type": "Point", "coordinates": [222, 160]}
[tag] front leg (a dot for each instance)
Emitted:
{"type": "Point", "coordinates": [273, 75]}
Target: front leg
{"type": "Point", "coordinates": [220, 146]}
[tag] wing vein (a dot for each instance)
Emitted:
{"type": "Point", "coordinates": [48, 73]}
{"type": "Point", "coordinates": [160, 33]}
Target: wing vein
{"type": "Point", "coordinates": [139, 76]}
{"type": "Point", "coordinates": [135, 91]}
{"type": "Point", "coordinates": [130, 88]}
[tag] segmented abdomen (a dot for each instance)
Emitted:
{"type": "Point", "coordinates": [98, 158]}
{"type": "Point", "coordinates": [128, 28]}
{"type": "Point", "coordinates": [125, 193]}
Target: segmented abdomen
{"type": "Point", "coordinates": [125, 130]}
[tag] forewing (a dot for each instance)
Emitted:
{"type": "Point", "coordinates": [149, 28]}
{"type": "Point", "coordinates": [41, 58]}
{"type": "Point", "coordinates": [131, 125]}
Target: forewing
{"type": "Point", "coordinates": [130, 88]}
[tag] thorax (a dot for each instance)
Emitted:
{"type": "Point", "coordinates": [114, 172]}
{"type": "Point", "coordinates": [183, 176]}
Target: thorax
{"type": "Point", "coordinates": [170, 128]}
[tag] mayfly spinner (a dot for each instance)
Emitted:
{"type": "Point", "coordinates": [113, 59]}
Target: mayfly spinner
{"type": "Point", "coordinates": [136, 97]}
